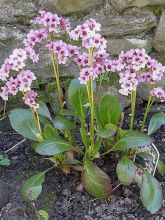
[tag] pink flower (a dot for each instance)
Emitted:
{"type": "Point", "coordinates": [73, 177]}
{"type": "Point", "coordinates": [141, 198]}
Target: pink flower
{"type": "Point", "coordinates": [5, 70]}
{"type": "Point", "coordinates": [25, 79]}
{"type": "Point", "coordinates": [158, 93]}
{"type": "Point", "coordinates": [52, 22]}
{"type": "Point", "coordinates": [87, 32]}
{"type": "Point", "coordinates": [4, 94]}
{"type": "Point", "coordinates": [85, 75]}
{"type": "Point", "coordinates": [30, 99]}
{"type": "Point", "coordinates": [32, 54]}
{"type": "Point", "coordinates": [136, 67]}
{"type": "Point", "coordinates": [64, 24]}
{"type": "Point", "coordinates": [34, 37]}
{"type": "Point", "coordinates": [12, 86]}
{"type": "Point", "coordinates": [61, 50]}
{"type": "Point", "coordinates": [17, 59]}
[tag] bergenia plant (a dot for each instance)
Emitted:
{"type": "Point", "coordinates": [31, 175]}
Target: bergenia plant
{"type": "Point", "coordinates": [98, 121]}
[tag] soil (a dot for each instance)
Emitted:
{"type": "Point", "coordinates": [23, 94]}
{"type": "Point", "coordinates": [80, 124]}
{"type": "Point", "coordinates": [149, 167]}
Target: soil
{"type": "Point", "coordinates": [60, 197]}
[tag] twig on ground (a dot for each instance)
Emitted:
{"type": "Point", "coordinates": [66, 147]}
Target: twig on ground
{"type": "Point", "coordinates": [116, 187]}
{"type": "Point", "coordinates": [15, 146]}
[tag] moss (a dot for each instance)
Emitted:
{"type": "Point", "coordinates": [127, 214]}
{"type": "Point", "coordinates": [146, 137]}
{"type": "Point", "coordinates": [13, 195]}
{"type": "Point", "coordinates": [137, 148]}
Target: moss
{"type": "Point", "coordinates": [157, 9]}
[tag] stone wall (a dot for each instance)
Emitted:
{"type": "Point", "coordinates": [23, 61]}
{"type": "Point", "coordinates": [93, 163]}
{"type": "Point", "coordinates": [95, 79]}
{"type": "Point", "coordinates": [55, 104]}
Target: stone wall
{"type": "Point", "coordinates": [125, 24]}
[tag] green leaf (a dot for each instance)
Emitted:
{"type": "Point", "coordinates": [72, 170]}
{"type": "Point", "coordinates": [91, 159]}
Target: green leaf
{"type": "Point", "coordinates": [108, 131]}
{"type": "Point", "coordinates": [4, 161]}
{"type": "Point", "coordinates": [95, 181]}
{"type": "Point", "coordinates": [62, 123]}
{"type": "Point", "coordinates": [43, 110]}
{"type": "Point", "coordinates": [132, 139]}
{"type": "Point", "coordinates": [126, 170]}
{"type": "Point", "coordinates": [22, 121]}
{"type": "Point", "coordinates": [44, 120]}
{"type": "Point", "coordinates": [44, 214]}
{"type": "Point", "coordinates": [156, 122]}
{"type": "Point", "coordinates": [94, 151]}
{"type": "Point", "coordinates": [52, 146]}
{"type": "Point", "coordinates": [105, 133]}
{"type": "Point", "coordinates": [151, 193]}
{"type": "Point", "coordinates": [78, 97]}
{"type": "Point", "coordinates": [161, 167]}
{"type": "Point", "coordinates": [50, 132]}
{"type": "Point", "coordinates": [66, 112]}
{"type": "Point", "coordinates": [33, 186]}
{"type": "Point", "coordinates": [109, 110]}
{"type": "Point", "coordinates": [85, 137]}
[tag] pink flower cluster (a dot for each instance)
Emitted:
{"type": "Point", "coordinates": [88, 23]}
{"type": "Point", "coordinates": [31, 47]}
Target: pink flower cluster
{"type": "Point", "coordinates": [158, 93]}
{"type": "Point", "coordinates": [52, 22]}
{"type": "Point", "coordinates": [30, 99]}
{"type": "Point", "coordinates": [62, 51]}
{"type": "Point", "coordinates": [34, 37]}
{"type": "Point", "coordinates": [136, 67]}
{"type": "Point", "coordinates": [88, 33]}
{"type": "Point", "coordinates": [22, 83]}
{"type": "Point", "coordinates": [101, 64]}
{"type": "Point", "coordinates": [16, 62]}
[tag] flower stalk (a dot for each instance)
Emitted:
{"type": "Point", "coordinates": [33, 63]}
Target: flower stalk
{"type": "Point", "coordinates": [91, 97]}
{"type": "Point", "coordinates": [133, 105]}
{"type": "Point", "coordinates": [56, 73]}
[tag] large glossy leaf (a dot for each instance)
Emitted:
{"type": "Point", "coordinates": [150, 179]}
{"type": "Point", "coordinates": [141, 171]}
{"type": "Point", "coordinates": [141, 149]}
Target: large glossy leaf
{"type": "Point", "coordinates": [43, 110]}
{"type": "Point", "coordinates": [78, 97]}
{"type": "Point", "coordinates": [126, 170]}
{"type": "Point", "coordinates": [109, 110]}
{"type": "Point", "coordinates": [50, 132]}
{"type": "Point", "coordinates": [52, 146]}
{"type": "Point", "coordinates": [95, 181]}
{"type": "Point", "coordinates": [22, 121]}
{"type": "Point", "coordinates": [156, 122]}
{"type": "Point", "coordinates": [62, 123]}
{"type": "Point", "coordinates": [33, 186]}
{"type": "Point", "coordinates": [132, 139]}
{"type": "Point", "coordinates": [151, 193]}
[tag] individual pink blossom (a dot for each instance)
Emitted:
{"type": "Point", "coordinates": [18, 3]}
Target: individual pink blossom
{"type": "Point", "coordinates": [158, 93]}
{"type": "Point", "coordinates": [4, 94]}
{"type": "Point", "coordinates": [30, 99]}
{"type": "Point", "coordinates": [85, 75]}
{"type": "Point", "coordinates": [32, 54]}
{"type": "Point", "coordinates": [12, 86]}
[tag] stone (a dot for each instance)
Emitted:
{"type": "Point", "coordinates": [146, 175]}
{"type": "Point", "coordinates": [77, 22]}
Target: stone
{"type": "Point", "coordinates": [115, 46]}
{"type": "Point", "coordinates": [143, 91]}
{"type": "Point", "coordinates": [74, 6]}
{"type": "Point", "coordinates": [143, 3]}
{"type": "Point", "coordinates": [123, 25]}
{"type": "Point", "coordinates": [120, 5]}
{"type": "Point", "coordinates": [4, 194]}
{"type": "Point", "coordinates": [11, 37]}
{"type": "Point", "coordinates": [159, 40]}
{"type": "Point", "coordinates": [17, 11]}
